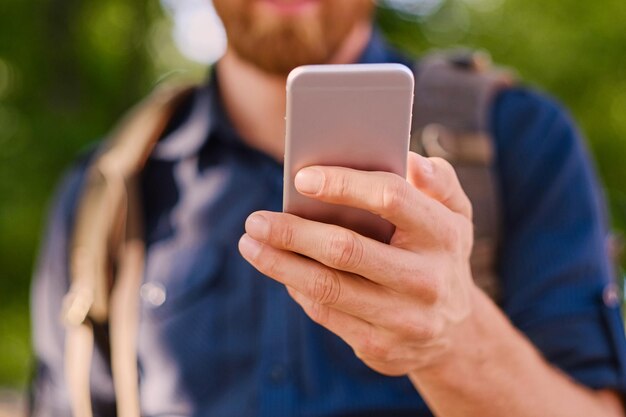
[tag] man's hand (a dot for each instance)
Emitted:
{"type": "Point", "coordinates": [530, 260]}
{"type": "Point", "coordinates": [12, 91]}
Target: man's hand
{"type": "Point", "coordinates": [399, 305]}
{"type": "Point", "coordinates": [411, 307]}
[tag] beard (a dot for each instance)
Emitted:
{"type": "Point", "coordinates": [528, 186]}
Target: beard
{"type": "Point", "coordinates": [277, 44]}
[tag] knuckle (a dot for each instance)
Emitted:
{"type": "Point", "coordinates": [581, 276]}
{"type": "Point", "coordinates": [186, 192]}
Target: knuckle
{"type": "Point", "coordinates": [449, 235]}
{"type": "Point", "coordinates": [268, 263]}
{"type": "Point", "coordinates": [345, 250]}
{"type": "Point", "coordinates": [285, 236]}
{"type": "Point", "coordinates": [426, 332]}
{"type": "Point", "coordinates": [318, 313]}
{"type": "Point", "coordinates": [445, 166]}
{"type": "Point", "coordinates": [433, 291]}
{"type": "Point", "coordinates": [338, 185]}
{"type": "Point", "coordinates": [418, 329]}
{"type": "Point", "coordinates": [375, 348]}
{"type": "Point", "coordinates": [394, 196]}
{"type": "Point", "coordinates": [440, 290]}
{"type": "Point", "coordinates": [435, 329]}
{"type": "Point", "coordinates": [424, 281]}
{"type": "Point", "coordinates": [324, 287]}
{"type": "Point", "coordinates": [411, 277]}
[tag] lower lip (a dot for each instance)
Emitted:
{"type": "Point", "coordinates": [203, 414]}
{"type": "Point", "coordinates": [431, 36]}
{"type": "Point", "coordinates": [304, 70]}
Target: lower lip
{"type": "Point", "coordinates": [289, 7]}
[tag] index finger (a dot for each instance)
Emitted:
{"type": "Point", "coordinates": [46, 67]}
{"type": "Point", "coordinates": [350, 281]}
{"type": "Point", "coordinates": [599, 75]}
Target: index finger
{"type": "Point", "coordinates": [382, 193]}
{"type": "Point", "coordinates": [341, 249]}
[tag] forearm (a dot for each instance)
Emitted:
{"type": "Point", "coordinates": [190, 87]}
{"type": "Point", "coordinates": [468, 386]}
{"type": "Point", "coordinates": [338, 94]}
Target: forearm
{"type": "Point", "coordinates": [493, 370]}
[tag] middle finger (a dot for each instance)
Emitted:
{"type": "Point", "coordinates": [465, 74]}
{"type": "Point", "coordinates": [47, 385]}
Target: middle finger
{"type": "Point", "coordinates": [325, 286]}
{"type": "Point", "coordinates": [343, 249]}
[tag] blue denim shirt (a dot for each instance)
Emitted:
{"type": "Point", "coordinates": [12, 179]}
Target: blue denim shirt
{"type": "Point", "coordinates": [217, 338]}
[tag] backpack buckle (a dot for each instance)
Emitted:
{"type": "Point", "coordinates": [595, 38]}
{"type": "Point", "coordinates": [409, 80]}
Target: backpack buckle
{"type": "Point", "coordinates": [473, 148]}
{"type": "Point", "coordinates": [471, 60]}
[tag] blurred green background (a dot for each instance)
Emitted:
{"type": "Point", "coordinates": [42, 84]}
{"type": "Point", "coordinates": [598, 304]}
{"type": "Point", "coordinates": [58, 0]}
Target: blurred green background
{"type": "Point", "coordinates": [69, 68]}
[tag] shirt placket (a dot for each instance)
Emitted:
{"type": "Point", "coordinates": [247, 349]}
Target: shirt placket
{"type": "Point", "coordinates": [277, 385]}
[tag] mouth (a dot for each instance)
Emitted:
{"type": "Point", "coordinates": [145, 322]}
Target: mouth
{"type": "Point", "coordinates": [289, 7]}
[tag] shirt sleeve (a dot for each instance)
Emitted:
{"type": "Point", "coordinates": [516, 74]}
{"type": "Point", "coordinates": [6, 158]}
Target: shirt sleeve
{"type": "Point", "coordinates": [558, 283]}
{"type": "Point", "coordinates": [48, 391]}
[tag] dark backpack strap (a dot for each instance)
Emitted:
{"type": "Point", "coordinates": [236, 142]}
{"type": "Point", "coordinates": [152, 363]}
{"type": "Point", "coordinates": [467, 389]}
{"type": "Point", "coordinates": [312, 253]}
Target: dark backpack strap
{"type": "Point", "coordinates": [454, 92]}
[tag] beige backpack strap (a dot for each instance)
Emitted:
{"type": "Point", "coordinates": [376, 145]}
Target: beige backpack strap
{"type": "Point", "coordinates": [107, 254]}
{"type": "Point", "coordinates": [454, 92]}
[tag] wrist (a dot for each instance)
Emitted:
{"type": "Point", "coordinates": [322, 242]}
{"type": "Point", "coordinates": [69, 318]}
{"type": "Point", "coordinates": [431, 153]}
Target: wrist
{"type": "Point", "coordinates": [471, 344]}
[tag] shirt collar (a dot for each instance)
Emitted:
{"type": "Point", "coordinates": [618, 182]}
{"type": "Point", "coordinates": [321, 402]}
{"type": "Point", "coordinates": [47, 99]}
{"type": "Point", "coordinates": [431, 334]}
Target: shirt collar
{"type": "Point", "coordinates": [379, 51]}
{"type": "Point", "coordinates": [189, 127]}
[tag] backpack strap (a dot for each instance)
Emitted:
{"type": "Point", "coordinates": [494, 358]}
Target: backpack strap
{"type": "Point", "coordinates": [454, 92]}
{"type": "Point", "coordinates": [106, 254]}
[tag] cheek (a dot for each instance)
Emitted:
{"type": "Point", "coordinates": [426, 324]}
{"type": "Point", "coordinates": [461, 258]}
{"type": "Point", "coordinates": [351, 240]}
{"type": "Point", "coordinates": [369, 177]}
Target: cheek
{"type": "Point", "coordinates": [228, 10]}
{"type": "Point", "coordinates": [340, 16]}
{"type": "Point", "coordinates": [350, 9]}
{"type": "Point", "coordinates": [220, 7]}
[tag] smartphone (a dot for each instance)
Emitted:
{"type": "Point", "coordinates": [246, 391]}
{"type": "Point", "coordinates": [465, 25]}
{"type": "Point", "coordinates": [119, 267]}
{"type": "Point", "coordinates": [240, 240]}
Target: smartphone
{"type": "Point", "coordinates": [356, 116]}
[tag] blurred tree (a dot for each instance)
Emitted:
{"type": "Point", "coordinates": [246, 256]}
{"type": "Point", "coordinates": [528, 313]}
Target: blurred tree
{"type": "Point", "coordinates": [69, 68]}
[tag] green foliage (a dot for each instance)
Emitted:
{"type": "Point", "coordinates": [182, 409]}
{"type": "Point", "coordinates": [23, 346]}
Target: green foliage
{"type": "Point", "coordinates": [69, 68]}
{"type": "Point", "coordinates": [569, 48]}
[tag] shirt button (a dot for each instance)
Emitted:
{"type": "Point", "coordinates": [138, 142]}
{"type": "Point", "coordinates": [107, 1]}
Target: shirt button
{"type": "Point", "coordinates": [610, 296]}
{"type": "Point", "coordinates": [153, 294]}
{"type": "Point", "coordinates": [278, 374]}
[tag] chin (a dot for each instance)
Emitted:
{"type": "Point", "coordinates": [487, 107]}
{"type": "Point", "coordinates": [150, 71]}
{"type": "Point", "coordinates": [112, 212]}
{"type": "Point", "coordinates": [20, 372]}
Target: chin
{"type": "Point", "coordinates": [279, 35]}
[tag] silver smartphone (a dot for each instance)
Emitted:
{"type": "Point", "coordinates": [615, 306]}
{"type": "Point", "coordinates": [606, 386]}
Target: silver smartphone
{"type": "Point", "coordinates": [356, 116]}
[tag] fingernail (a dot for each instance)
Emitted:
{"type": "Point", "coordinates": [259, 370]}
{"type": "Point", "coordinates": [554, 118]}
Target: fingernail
{"type": "Point", "coordinates": [426, 165]}
{"type": "Point", "coordinates": [249, 247]}
{"type": "Point", "coordinates": [258, 226]}
{"type": "Point", "coordinates": [309, 180]}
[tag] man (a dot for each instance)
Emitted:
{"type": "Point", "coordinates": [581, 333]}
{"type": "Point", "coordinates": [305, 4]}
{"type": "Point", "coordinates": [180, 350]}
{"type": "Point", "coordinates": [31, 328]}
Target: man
{"type": "Point", "coordinates": [396, 330]}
